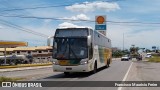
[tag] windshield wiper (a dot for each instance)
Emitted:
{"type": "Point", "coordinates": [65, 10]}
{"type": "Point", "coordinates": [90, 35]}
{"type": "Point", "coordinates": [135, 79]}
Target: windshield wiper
{"type": "Point", "coordinates": [63, 52]}
{"type": "Point", "coordinates": [74, 53]}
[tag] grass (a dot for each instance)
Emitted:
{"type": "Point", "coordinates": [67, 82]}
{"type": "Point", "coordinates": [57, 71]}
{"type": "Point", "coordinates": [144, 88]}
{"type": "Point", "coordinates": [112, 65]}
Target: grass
{"type": "Point", "coordinates": [154, 59]}
{"type": "Point", "coordinates": [4, 79]}
{"type": "Point", "coordinates": [25, 65]}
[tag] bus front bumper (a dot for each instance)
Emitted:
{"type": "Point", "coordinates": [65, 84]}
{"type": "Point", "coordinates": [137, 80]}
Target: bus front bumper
{"type": "Point", "coordinates": [78, 68]}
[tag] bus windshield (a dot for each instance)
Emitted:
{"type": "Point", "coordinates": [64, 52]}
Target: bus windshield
{"type": "Point", "coordinates": [70, 48]}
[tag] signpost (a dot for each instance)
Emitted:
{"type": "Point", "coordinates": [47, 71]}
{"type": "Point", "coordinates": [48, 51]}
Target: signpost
{"type": "Point", "coordinates": [100, 24]}
{"type": "Point", "coordinates": [154, 48]}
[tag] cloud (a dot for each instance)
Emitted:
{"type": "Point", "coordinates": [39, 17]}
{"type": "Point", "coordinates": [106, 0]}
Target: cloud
{"type": "Point", "coordinates": [141, 38]}
{"type": "Point", "coordinates": [145, 39]}
{"type": "Point", "coordinates": [47, 20]}
{"type": "Point", "coordinates": [1, 27]}
{"type": "Point", "coordinates": [143, 7]}
{"type": "Point", "coordinates": [33, 40]}
{"type": "Point", "coordinates": [93, 6]}
{"type": "Point", "coordinates": [77, 17]}
{"type": "Point", "coordinates": [70, 25]}
{"type": "Point", "coordinates": [82, 17]}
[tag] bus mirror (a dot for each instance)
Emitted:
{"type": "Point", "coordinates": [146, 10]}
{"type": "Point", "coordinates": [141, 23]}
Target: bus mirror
{"type": "Point", "coordinates": [89, 40]}
{"type": "Point", "coordinates": [49, 40]}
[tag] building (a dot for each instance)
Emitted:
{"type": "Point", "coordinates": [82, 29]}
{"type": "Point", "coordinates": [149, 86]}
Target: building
{"type": "Point", "coordinates": [40, 53]}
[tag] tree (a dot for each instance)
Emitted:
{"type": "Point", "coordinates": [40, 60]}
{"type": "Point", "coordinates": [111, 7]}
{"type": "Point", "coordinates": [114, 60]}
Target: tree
{"type": "Point", "coordinates": [117, 53]}
{"type": "Point", "coordinates": [126, 51]}
{"type": "Point", "coordinates": [147, 50]}
{"type": "Point", "coordinates": [134, 50]}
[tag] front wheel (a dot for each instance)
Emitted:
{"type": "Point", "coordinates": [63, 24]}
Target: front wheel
{"type": "Point", "coordinates": [66, 73]}
{"type": "Point", "coordinates": [95, 68]}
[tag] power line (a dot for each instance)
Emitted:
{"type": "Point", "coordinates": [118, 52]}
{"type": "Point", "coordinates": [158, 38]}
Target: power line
{"type": "Point", "coordinates": [51, 6]}
{"type": "Point", "coordinates": [52, 18]}
{"type": "Point", "coordinates": [56, 18]}
{"type": "Point", "coordinates": [39, 7]}
{"type": "Point", "coordinates": [157, 23]}
{"type": "Point", "coordinates": [22, 28]}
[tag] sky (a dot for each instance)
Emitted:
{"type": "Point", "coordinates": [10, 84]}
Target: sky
{"type": "Point", "coordinates": [137, 20]}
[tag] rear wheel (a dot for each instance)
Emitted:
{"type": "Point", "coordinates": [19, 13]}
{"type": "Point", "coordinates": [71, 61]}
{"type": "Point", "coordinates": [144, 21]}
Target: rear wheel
{"type": "Point", "coordinates": [109, 61]}
{"type": "Point", "coordinates": [107, 65]}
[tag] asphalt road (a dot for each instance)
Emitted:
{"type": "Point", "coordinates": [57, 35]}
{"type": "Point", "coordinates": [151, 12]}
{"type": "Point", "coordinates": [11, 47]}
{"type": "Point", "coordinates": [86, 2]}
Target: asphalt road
{"type": "Point", "coordinates": [29, 74]}
{"type": "Point", "coordinates": [143, 71]}
{"type": "Point", "coordinates": [115, 72]}
{"type": "Point", "coordinates": [118, 71]}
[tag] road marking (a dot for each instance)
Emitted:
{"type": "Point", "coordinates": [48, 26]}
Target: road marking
{"type": "Point", "coordinates": [125, 77]}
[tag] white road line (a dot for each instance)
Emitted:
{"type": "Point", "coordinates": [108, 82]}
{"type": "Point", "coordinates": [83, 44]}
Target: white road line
{"type": "Point", "coordinates": [125, 77]}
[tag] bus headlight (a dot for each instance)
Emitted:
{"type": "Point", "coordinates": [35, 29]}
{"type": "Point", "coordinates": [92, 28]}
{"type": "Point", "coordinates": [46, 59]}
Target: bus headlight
{"type": "Point", "coordinates": [55, 62]}
{"type": "Point", "coordinates": [83, 62]}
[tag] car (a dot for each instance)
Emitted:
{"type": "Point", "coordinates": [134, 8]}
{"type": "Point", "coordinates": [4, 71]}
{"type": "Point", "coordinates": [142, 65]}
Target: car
{"type": "Point", "coordinates": [125, 58]}
{"type": "Point", "coordinates": [148, 55]}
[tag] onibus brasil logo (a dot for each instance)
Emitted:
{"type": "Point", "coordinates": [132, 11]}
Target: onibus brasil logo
{"type": "Point", "coordinates": [21, 84]}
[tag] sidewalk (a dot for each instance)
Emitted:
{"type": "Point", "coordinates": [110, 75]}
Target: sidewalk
{"type": "Point", "coordinates": [23, 68]}
{"type": "Point", "coordinates": [116, 58]}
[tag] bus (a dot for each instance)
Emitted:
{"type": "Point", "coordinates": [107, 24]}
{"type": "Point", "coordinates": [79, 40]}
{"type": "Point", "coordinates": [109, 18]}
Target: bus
{"type": "Point", "coordinates": [80, 50]}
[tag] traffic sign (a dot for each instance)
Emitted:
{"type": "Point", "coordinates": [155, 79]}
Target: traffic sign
{"type": "Point", "coordinates": [100, 22]}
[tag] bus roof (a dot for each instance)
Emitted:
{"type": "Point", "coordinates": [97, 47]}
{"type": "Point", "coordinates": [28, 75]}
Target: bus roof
{"type": "Point", "coordinates": [74, 28]}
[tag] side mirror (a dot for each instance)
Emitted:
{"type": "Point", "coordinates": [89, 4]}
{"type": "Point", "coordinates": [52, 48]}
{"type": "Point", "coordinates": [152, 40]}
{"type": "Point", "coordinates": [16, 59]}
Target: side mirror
{"type": "Point", "coordinates": [89, 40]}
{"type": "Point", "coordinates": [49, 40]}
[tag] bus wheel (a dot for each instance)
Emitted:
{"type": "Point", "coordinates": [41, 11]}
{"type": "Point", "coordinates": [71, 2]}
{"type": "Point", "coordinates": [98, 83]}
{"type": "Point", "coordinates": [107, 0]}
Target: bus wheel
{"type": "Point", "coordinates": [66, 73]}
{"type": "Point", "coordinates": [95, 68]}
{"type": "Point", "coordinates": [26, 62]}
{"type": "Point", "coordinates": [108, 62]}
{"type": "Point", "coordinates": [107, 65]}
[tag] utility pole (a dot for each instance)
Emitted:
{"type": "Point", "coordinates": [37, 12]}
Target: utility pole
{"type": "Point", "coordinates": [5, 60]}
{"type": "Point", "coordinates": [123, 41]}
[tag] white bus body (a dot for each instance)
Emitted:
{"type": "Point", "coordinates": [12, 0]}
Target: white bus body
{"type": "Point", "coordinates": [80, 50]}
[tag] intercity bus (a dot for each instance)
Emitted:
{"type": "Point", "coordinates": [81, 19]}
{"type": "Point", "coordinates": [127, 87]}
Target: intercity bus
{"type": "Point", "coordinates": [80, 50]}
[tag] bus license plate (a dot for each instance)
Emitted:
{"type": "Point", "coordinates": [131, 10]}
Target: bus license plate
{"type": "Point", "coordinates": [63, 62]}
{"type": "Point", "coordinates": [68, 68]}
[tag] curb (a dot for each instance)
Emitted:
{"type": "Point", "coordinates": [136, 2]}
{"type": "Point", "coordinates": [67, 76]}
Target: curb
{"type": "Point", "coordinates": [23, 68]}
{"type": "Point", "coordinates": [25, 65]}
